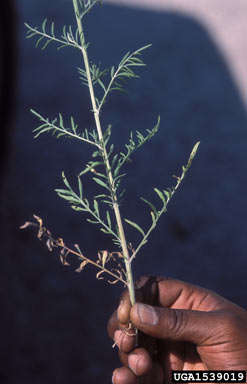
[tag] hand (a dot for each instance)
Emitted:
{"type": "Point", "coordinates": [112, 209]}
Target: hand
{"type": "Point", "coordinates": [180, 327]}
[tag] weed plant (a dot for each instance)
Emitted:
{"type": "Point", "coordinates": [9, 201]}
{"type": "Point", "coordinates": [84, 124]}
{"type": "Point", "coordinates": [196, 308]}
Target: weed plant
{"type": "Point", "coordinates": [106, 166]}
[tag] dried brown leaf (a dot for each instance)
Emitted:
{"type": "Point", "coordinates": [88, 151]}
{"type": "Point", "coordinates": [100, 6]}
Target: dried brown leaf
{"type": "Point", "coordinates": [49, 244]}
{"type": "Point", "coordinates": [28, 224]}
{"type": "Point", "coordinates": [105, 258]}
{"type": "Point", "coordinates": [39, 220]}
{"type": "Point", "coordinates": [63, 255]}
{"type": "Point", "coordinates": [82, 266]}
{"type": "Point", "coordinates": [98, 276]}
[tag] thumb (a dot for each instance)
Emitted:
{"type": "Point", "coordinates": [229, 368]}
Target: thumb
{"type": "Point", "coordinates": [175, 324]}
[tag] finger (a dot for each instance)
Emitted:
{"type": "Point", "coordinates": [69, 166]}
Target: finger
{"type": "Point", "coordinates": [124, 308]}
{"type": "Point", "coordinates": [148, 288]}
{"type": "Point", "coordinates": [113, 325]}
{"type": "Point", "coordinates": [174, 324]}
{"type": "Point", "coordinates": [125, 340]}
{"type": "Point", "coordinates": [155, 375]}
{"type": "Point", "coordinates": [124, 376]}
{"type": "Point", "coordinates": [139, 361]}
{"type": "Point", "coordinates": [181, 295]}
{"type": "Point", "coordinates": [146, 291]}
{"type": "Point", "coordinates": [171, 354]}
{"type": "Point", "coordinates": [125, 305]}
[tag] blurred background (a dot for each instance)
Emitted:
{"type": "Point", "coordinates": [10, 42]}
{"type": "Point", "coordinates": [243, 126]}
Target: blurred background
{"type": "Point", "coordinates": [53, 320]}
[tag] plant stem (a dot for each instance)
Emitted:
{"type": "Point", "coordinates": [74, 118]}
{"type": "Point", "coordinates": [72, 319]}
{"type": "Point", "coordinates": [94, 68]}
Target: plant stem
{"type": "Point", "coordinates": [80, 255]}
{"type": "Point", "coordinates": [105, 156]}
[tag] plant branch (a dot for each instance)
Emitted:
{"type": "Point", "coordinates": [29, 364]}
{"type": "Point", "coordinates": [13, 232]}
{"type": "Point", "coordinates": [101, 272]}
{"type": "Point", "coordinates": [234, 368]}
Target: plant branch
{"type": "Point", "coordinates": [168, 194]}
{"type": "Point", "coordinates": [90, 261]}
{"type": "Point", "coordinates": [126, 62]}
{"type": "Point", "coordinates": [65, 251]}
{"type": "Point", "coordinates": [68, 39]}
{"type": "Point", "coordinates": [48, 126]}
{"type": "Point", "coordinates": [105, 156]}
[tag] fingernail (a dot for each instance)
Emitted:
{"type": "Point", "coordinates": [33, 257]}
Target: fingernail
{"type": "Point", "coordinates": [147, 314]}
{"type": "Point", "coordinates": [133, 362]}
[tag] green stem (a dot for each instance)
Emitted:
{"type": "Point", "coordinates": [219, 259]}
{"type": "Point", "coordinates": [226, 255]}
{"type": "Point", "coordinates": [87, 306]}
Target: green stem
{"type": "Point", "coordinates": [105, 156]}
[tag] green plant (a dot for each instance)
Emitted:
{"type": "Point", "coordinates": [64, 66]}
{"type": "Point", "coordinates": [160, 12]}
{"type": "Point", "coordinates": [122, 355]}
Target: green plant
{"type": "Point", "coordinates": [106, 165]}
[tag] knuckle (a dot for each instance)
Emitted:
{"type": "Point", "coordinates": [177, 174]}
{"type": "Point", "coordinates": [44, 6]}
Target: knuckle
{"type": "Point", "coordinates": [177, 322]}
{"type": "Point", "coordinates": [230, 321]}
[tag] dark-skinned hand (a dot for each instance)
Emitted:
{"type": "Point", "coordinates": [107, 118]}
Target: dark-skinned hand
{"type": "Point", "coordinates": [180, 327]}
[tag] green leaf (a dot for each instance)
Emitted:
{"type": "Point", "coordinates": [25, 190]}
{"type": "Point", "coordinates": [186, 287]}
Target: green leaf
{"type": "Point", "coordinates": [107, 202]}
{"type": "Point", "coordinates": [104, 230]}
{"type": "Point", "coordinates": [99, 196]}
{"type": "Point", "coordinates": [92, 221]}
{"type": "Point", "coordinates": [108, 217]}
{"type": "Point", "coordinates": [167, 194]}
{"type": "Point", "coordinates": [76, 208]}
{"type": "Point", "coordinates": [39, 41]}
{"type": "Point", "coordinates": [136, 226]}
{"type": "Point", "coordinates": [90, 166]}
{"type": "Point", "coordinates": [63, 191]}
{"type": "Point", "coordinates": [73, 125]}
{"type": "Point", "coordinates": [193, 153]}
{"type": "Point", "coordinates": [100, 182]}
{"type": "Point", "coordinates": [80, 186]}
{"type": "Point", "coordinates": [96, 207]}
{"type": "Point", "coordinates": [160, 194]}
{"type": "Point", "coordinates": [71, 199]}
{"type": "Point", "coordinates": [154, 218]}
{"type": "Point", "coordinates": [66, 181]}
{"type": "Point", "coordinates": [151, 206]}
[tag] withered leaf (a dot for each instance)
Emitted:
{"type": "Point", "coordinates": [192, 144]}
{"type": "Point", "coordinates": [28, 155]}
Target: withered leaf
{"type": "Point", "coordinates": [104, 257]}
{"type": "Point", "coordinates": [49, 244]}
{"type": "Point", "coordinates": [41, 232]}
{"type": "Point", "coordinates": [98, 276]}
{"type": "Point", "coordinates": [60, 242]}
{"type": "Point", "coordinates": [39, 220]}
{"type": "Point", "coordinates": [63, 255]}
{"type": "Point", "coordinates": [28, 224]}
{"type": "Point", "coordinates": [82, 266]}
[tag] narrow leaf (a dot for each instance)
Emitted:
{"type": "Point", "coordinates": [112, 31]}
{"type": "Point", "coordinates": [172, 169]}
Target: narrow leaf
{"type": "Point", "coordinates": [96, 207]}
{"type": "Point", "coordinates": [151, 206]}
{"type": "Point", "coordinates": [71, 199]}
{"type": "Point", "coordinates": [104, 230]}
{"type": "Point", "coordinates": [82, 266]}
{"type": "Point", "coordinates": [136, 226]}
{"type": "Point", "coordinates": [90, 167]}
{"type": "Point", "coordinates": [98, 276]}
{"type": "Point", "coordinates": [63, 191]}
{"type": "Point", "coordinates": [80, 186]}
{"type": "Point", "coordinates": [160, 194]}
{"type": "Point", "coordinates": [76, 208]}
{"type": "Point", "coordinates": [100, 182]}
{"type": "Point", "coordinates": [193, 153]}
{"type": "Point", "coordinates": [104, 258]}
{"type": "Point", "coordinates": [65, 181]}
{"type": "Point", "coordinates": [108, 217]}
